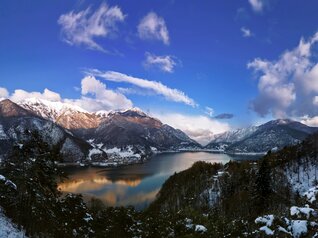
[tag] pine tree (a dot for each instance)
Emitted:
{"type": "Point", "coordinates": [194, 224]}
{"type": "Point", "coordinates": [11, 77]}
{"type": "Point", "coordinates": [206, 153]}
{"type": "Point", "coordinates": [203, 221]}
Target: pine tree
{"type": "Point", "coordinates": [262, 187]}
{"type": "Point", "coordinates": [32, 167]}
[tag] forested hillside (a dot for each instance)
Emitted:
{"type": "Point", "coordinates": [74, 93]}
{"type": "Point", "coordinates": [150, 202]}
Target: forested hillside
{"type": "Point", "coordinates": [275, 196]}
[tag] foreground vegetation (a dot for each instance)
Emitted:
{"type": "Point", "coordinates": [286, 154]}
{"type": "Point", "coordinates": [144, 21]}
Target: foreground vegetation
{"type": "Point", "coordinates": [207, 200]}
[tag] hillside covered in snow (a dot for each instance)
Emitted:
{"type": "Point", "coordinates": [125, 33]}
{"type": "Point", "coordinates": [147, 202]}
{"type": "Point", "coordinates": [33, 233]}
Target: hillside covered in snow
{"type": "Point", "coordinates": [273, 135]}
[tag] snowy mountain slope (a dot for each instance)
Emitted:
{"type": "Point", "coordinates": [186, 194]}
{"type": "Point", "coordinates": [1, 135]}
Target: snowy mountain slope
{"type": "Point", "coordinates": [130, 129]}
{"type": "Point", "coordinates": [223, 140]}
{"type": "Point", "coordinates": [135, 128]}
{"type": "Point", "coordinates": [273, 134]}
{"type": "Point", "coordinates": [15, 121]}
{"type": "Point", "coordinates": [64, 114]}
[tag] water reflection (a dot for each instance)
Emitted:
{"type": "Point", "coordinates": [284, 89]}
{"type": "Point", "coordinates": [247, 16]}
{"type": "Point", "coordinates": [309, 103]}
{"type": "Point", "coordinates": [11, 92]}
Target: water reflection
{"type": "Point", "coordinates": [135, 185]}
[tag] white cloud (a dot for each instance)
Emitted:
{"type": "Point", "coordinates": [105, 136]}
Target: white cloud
{"type": "Point", "coordinates": [257, 5]}
{"type": "Point", "coordinates": [81, 28]}
{"type": "Point", "coordinates": [165, 63]}
{"type": "Point", "coordinates": [20, 94]}
{"type": "Point", "coordinates": [246, 32]}
{"type": "Point", "coordinates": [310, 121]}
{"type": "Point", "coordinates": [198, 127]}
{"type": "Point", "coordinates": [156, 87]}
{"type": "Point", "coordinates": [209, 111]}
{"type": "Point", "coordinates": [4, 93]}
{"type": "Point", "coordinates": [95, 96]}
{"type": "Point", "coordinates": [153, 27]}
{"type": "Point", "coordinates": [289, 85]}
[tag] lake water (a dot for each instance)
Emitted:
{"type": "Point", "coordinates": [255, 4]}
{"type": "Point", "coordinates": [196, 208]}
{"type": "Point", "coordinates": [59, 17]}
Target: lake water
{"type": "Point", "coordinates": [136, 184]}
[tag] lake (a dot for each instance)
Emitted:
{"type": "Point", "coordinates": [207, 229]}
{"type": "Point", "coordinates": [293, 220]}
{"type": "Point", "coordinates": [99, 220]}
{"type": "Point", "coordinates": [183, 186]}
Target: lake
{"type": "Point", "coordinates": [137, 184]}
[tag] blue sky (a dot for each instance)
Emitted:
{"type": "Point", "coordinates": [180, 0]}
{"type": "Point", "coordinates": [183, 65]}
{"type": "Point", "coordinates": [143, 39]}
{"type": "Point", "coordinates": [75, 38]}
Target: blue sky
{"type": "Point", "coordinates": [199, 51]}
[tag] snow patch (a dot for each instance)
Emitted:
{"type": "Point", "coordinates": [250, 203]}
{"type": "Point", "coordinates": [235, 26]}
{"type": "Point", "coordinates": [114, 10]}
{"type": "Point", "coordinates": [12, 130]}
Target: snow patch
{"type": "Point", "coordinates": [200, 229]}
{"type": "Point", "coordinates": [267, 230]}
{"type": "Point", "coordinates": [122, 152]}
{"type": "Point", "coordinates": [3, 135]}
{"type": "Point", "coordinates": [299, 227]}
{"type": "Point", "coordinates": [311, 194]}
{"type": "Point", "coordinates": [299, 211]}
{"type": "Point", "coordinates": [94, 151]}
{"type": "Point", "coordinates": [9, 229]}
{"type": "Point", "coordinates": [267, 220]}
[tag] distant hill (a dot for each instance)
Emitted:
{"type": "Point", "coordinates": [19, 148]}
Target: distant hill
{"type": "Point", "coordinates": [272, 135]}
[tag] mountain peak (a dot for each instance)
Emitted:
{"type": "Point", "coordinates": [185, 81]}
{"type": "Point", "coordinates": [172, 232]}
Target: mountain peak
{"type": "Point", "coordinates": [133, 112]}
{"type": "Point", "coordinates": [281, 121]}
{"type": "Point", "coordinates": [50, 109]}
{"type": "Point", "coordinates": [52, 105]}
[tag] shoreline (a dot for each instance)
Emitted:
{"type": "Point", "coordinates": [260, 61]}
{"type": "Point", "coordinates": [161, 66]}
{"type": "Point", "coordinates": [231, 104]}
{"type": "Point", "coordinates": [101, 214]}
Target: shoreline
{"type": "Point", "coordinates": [117, 164]}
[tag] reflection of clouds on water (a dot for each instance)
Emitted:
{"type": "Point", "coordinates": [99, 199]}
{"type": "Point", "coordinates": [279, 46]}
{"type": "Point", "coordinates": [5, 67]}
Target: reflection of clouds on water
{"type": "Point", "coordinates": [113, 198]}
{"type": "Point", "coordinates": [86, 185]}
{"type": "Point", "coordinates": [135, 185]}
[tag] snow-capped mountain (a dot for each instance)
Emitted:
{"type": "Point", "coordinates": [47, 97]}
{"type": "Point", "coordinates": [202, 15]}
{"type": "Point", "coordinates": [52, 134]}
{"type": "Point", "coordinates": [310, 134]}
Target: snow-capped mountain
{"type": "Point", "coordinates": [274, 134]}
{"type": "Point", "coordinates": [130, 131]}
{"type": "Point", "coordinates": [15, 121]}
{"type": "Point", "coordinates": [66, 115]}
{"type": "Point", "coordinates": [134, 128]}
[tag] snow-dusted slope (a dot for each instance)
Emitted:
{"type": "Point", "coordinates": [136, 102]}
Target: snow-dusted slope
{"type": "Point", "coordinates": [234, 136]}
{"type": "Point", "coordinates": [9, 229]}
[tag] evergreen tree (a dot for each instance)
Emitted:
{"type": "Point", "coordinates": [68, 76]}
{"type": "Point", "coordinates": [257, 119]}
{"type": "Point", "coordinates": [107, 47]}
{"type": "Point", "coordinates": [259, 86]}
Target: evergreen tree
{"type": "Point", "coordinates": [262, 187]}
{"type": "Point", "coordinates": [32, 167]}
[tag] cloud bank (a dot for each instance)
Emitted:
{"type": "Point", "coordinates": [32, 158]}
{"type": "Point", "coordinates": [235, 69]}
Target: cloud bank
{"type": "Point", "coordinates": [198, 127]}
{"type": "Point", "coordinates": [94, 96]}
{"type": "Point", "coordinates": [288, 86]}
{"type": "Point", "coordinates": [81, 28]}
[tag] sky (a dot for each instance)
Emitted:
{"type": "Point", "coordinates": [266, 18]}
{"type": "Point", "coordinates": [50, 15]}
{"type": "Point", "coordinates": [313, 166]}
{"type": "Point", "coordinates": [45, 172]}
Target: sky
{"type": "Point", "coordinates": [204, 67]}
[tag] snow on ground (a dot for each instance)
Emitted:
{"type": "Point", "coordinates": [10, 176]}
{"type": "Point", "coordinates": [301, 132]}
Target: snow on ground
{"type": "Point", "coordinates": [299, 211]}
{"type": "Point", "coordinates": [123, 153]}
{"type": "Point", "coordinates": [94, 151]}
{"type": "Point", "coordinates": [8, 229]}
{"type": "Point", "coordinates": [266, 220]}
{"type": "Point", "coordinates": [295, 227]}
{"type": "Point", "coordinates": [8, 182]}
{"type": "Point", "coordinates": [3, 135]}
{"type": "Point", "coordinates": [311, 194]}
{"type": "Point", "coordinates": [302, 177]}
{"type": "Point", "coordinates": [299, 227]}
{"type": "Point", "coordinates": [200, 229]}
{"type": "Point", "coordinates": [267, 230]}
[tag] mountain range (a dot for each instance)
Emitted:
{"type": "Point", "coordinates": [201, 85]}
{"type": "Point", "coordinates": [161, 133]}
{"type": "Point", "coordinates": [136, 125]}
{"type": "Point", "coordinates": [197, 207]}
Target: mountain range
{"type": "Point", "coordinates": [128, 136]}
{"type": "Point", "coordinates": [272, 135]}
{"type": "Point", "coordinates": [125, 136]}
